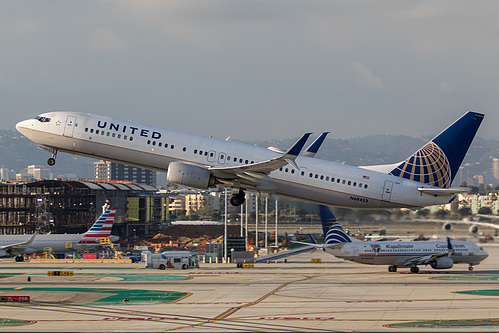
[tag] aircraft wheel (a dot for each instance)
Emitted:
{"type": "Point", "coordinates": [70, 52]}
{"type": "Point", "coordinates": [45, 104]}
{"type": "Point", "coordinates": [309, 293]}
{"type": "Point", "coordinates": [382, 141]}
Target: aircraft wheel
{"type": "Point", "coordinates": [470, 268]}
{"type": "Point", "coordinates": [184, 266]}
{"type": "Point", "coordinates": [237, 199]}
{"type": "Point", "coordinates": [51, 161]}
{"type": "Point", "coordinates": [414, 269]}
{"type": "Point", "coordinates": [162, 267]}
{"type": "Point", "coordinates": [394, 268]}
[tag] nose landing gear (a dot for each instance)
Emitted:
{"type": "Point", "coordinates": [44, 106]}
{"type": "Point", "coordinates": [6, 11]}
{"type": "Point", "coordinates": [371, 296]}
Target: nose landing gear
{"type": "Point", "coordinates": [51, 160]}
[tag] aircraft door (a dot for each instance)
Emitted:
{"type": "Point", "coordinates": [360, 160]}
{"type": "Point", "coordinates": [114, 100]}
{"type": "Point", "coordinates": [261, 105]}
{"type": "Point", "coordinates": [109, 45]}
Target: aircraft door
{"type": "Point", "coordinates": [387, 191]}
{"type": "Point", "coordinates": [69, 127]}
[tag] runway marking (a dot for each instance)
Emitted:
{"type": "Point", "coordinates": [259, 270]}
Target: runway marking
{"type": "Point", "coordinates": [459, 323]}
{"type": "Point", "coordinates": [231, 311]}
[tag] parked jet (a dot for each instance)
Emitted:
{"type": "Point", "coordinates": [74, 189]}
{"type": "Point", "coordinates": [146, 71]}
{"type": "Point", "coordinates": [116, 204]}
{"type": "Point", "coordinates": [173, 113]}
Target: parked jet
{"type": "Point", "coordinates": [12, 245]}
{"type": "Point", "coordinates": [191, 160]}
{"type": "Point", "coordinates": [437, 254]}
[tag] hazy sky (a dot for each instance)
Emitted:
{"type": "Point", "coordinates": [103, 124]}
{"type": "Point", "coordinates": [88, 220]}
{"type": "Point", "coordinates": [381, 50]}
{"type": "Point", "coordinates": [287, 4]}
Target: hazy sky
{"type": "Point", "coordinates": [254, 69]}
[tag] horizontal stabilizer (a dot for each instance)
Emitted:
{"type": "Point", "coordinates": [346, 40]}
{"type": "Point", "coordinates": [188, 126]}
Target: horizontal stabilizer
{"type": "Point", "coordinates": [443, 191]}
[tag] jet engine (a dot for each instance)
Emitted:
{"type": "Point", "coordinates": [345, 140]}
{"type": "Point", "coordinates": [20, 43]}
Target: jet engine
{"type": "Point", "coordinates": [190, 175]}
{"type": "Point", "coordinates": [3, 253]}
{"type": "Point", "coordinates": [447, 226]}
{"type": "Point", "coordinates": [473, 229]}
{"type": "Point", "coordinates": [442, 263]}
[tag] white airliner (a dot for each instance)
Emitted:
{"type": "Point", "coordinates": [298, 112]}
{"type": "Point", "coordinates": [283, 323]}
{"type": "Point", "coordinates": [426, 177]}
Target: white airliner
{"type": "Point", "coordinates": [437, 254]}
{"type": "Point", "coordinates": [201, 162]}
{"type": "Point", "coordinates": [12, 245]}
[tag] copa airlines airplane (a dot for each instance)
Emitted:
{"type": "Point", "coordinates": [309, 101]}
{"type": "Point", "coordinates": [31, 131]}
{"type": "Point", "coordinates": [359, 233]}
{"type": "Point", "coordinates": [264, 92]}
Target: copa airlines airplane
{"type": "Point", "coordinates": [191, 160]}
{"type": "Point", "coordinates": [12, 245]}
{"type": "Point", "coordinates": [437, 254]}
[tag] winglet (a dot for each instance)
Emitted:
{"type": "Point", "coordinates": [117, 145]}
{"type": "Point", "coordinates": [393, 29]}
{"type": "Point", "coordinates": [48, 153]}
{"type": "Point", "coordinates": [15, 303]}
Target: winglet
{"type": "Point", "coordinates": [297, 147]}
{"type": "Point", "coordinates": [449, 246]}
{"type": "Point", "coordinates": [314, 147]}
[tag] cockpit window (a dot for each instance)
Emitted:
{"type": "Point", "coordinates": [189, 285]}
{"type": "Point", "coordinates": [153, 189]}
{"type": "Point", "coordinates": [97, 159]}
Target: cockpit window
{"type": "Point", "coordinates": [42, 119]}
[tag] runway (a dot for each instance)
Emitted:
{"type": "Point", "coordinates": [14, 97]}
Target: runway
{"type": "Point", "coordinates": [298, 296]}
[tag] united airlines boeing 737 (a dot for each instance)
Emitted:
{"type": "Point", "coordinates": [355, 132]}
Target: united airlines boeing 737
{"type": "Point", "coordinates": [191, 160]}
{"type": "Point", "coordinates": [12, 245]}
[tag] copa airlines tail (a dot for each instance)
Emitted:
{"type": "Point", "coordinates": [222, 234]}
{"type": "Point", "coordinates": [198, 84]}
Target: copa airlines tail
{"type": "Point", "coordinates": [437, 254]}
{"type": "Point", "coordinates": [203, 162]}
{"type": "Point", "coordinates": [11, 245]}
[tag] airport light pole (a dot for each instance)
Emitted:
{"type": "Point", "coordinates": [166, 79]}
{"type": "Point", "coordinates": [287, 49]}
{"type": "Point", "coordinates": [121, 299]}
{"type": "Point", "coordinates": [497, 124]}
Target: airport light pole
{"type": "Point", "coordinates": [266, 221]}
{"type": "Point", "coordinates": [257, 198]}
{"type": "Point", "coordinates": [276, 218]}
{"type": "Point", "coordinates": [225, 228]}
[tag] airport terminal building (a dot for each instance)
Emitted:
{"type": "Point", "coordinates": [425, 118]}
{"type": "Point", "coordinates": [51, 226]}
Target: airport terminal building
{"type": "Point", "coordinates": [70, 206]}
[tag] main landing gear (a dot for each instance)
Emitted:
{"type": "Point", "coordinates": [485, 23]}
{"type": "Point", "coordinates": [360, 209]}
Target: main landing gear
{"type": "Point", "coordinates": [415, 269]}
{"type": "Point", "coordinates": [392, 268]}
{"type": "Point", "coordinates": [51, 160]}
{"type": "Point", "coordinates": [237, 199]}
{"type": "Point", "coordinates": [470, 268]}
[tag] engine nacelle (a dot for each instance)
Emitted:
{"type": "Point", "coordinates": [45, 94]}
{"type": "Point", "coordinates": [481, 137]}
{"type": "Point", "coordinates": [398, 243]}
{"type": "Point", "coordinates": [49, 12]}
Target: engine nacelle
{"type": "Point", "coordinates": [442, 263]}
{"type": "Point", "coordinates": [190, 175]}
{"type": "Point", "coordinates": [447, 226]}
{"type": "Point", "coordinates": [474, 229]}
{"type": "Point", "coordinates": [4, 253]}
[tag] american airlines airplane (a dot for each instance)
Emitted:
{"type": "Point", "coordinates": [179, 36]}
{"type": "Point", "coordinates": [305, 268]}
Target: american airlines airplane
{"type": "Point", "coordinates": [437, 254]}
{"type": "Point", "coordinates": [201, 162]}
{"type": "Point", "coordinates": [12, 245]}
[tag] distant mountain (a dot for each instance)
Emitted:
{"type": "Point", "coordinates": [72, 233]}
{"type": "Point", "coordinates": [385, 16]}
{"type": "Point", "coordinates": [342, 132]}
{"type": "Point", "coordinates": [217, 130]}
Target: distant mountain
{"type": "Point", "coordinates": [18, 152]}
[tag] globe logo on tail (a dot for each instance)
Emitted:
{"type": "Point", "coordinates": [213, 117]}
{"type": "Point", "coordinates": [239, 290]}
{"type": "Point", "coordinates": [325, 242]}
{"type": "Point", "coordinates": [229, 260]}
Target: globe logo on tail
{"type": "Point", "coordinates": [429, 165]}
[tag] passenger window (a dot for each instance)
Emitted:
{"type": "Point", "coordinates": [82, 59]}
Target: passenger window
{"type": "Point", "coordinates": [195, 151]}
{"type": "Point", "coordinates": [286, 170]}
{"type": "Point", "coordinates": [172, 146]}
{"type": "Point", "coordinates": [91, 130]}
{"type": "Point", "coordinates": [119, 136]}
{"type": "Point", "coordinates": [316, 176]}
{"type": "Point", "coordinates": [332, 179]}
{"type": "Point", "coordinates": [108, 134]}
{"type": "Point", "coordinates": [292, 170]}
{"type": "Point", "coordinates": [96, 131]}
{"type": "Point", "coordinates": [114, 134]}
{"type": "Point", "coordinates": [131, 138]}
{"type": "Point", "coordinates": [153, 143]}
{"type": "Point", "coordinates": [148, 142]}
{"type": "Point", "coordinates": [124, 137]}
{"type": "Point", "coordinates": [349, 182]}
{"type": "Point", "coordinates": [159, 144]}
{"type": "Point", "coordinates": [303, 173]}
{"type": "Point", "coordinates": [327, 178]}
{"type": "Point", "coordinates": [354, 183]}
{"type": "Point", "coordinates": [322, 177]}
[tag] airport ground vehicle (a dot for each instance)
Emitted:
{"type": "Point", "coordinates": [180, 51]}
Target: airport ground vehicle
{"type": "Point", "coordinates": [172, 259]}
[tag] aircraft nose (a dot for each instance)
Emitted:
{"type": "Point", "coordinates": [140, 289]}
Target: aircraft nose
{"type": "Point", "coordinates": [24, 126]}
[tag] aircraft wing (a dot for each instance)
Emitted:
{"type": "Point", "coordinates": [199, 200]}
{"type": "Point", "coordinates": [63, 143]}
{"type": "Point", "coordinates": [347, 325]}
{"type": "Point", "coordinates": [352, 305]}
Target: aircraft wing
{"type": "Point", "coordinates": [429, 258]}
{"type": "Point", "coordinates": [284, 254]}
{"type": "Point", "coordinates": [20, 245]}
{"type": "Point", "coordinates": [443, 191]}
{"type": "Point", "coordinates": [257, 173]}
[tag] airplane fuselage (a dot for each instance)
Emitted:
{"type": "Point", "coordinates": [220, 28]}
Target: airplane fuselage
{"type": "Point", "coordinates": [155, 148]}
{"type": "Point", "coordinates": [399, 253]}
{"type": "Point", "coordinates": [57, 242]}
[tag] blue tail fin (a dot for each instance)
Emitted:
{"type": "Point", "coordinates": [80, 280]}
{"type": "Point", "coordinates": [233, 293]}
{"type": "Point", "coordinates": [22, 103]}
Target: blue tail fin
{"type": "Point", "coordinates": [438, 162]}
{"type": "Point", "coordinates": [333, 232]}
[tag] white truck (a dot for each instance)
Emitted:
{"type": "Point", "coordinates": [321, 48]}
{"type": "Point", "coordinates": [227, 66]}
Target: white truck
{"type": "Point", "coordinates": [172, 259]}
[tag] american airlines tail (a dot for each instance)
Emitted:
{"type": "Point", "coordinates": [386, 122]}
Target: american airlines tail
{"type": "Point", "coordinates": [100, 229]}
